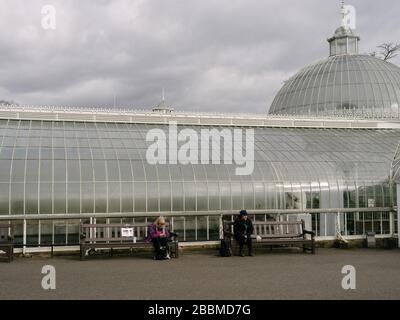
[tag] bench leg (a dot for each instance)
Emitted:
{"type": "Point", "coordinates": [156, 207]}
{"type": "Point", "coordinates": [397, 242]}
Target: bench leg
{"type": "Point", "coordinates": [82, 253]}
{"type": "Point", "coordinates": [176, 250]}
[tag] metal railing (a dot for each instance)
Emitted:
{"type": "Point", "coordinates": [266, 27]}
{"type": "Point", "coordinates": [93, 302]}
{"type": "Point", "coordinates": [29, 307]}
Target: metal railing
{"type": "Point", "coordinates": [332, 114]}
{"type": "Point", "coordinates": [54, 232]}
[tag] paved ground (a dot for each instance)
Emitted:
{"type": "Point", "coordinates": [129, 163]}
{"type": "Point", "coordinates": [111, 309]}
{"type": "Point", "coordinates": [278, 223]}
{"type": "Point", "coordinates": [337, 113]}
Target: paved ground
{"type": "Point", "coordinates": [276, 275]}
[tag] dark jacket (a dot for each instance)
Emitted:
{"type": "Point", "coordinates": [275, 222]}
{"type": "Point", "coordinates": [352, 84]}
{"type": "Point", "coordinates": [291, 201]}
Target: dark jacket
{"type": "Point", "coordinates": [242, 227]}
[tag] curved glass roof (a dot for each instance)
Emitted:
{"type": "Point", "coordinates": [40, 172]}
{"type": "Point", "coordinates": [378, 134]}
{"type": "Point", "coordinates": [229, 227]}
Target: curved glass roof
{"type": "Point", "coordinates": [76, 167]}
{"type": "Point", "coordinates": [342, 85]}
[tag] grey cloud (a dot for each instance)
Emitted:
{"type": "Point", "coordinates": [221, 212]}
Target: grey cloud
{"type": "Point", "coordinates": [226, 55]}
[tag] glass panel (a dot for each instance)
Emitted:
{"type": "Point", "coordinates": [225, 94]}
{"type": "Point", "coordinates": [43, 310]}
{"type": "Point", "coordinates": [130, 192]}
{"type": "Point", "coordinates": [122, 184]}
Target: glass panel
{"type": "Point", "coordinates": [165, 196]}
{"type": "Point", "coordinates": [140, 196]}
{"type": "Point", "coordinates": [74, 196]}
{"type": "Point", "coordinates": [87, 198]}
{"type": "Point", "coordinates": [114, 197]}
{"type": "Point", "coordinates": [127, 197]}
{"type": "Point", "coordinates": [225, 192]}
{"type": "Point", "coordinates": [60, 198]}
{"type": "Point", "coordinates": [202, 228]}
{"type": "Point", "coordinates": [101, 197]}
{"type": "Point", "coordinates": [177, 196]}
{"type": "Point", "coordinates": [213, 196]}
{"type": "Point", "coordinates": [32, 233]}
{"type": "Point", "coordinates": [4, 198]}
{"type": "Point", "coordinates": [17, 198]}
{"type": "Point", "coordinates": [190, 196]}
{"type": "Point", "coordinates": [73, 232]}
{"type": "Point", "coordinates": [18, 171]}
{"type": "Point", "coordinates": [202, 196]}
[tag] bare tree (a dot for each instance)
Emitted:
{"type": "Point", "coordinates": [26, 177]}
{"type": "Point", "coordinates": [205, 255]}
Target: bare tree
{"type": "Point", "coordinates": [7, 103]}
{"type": "Point", "coordinates": [387, 51]}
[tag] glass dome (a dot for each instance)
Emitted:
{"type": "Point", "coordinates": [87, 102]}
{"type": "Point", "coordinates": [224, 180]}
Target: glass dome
{"type": "Point", "coordinates": [342, 84]}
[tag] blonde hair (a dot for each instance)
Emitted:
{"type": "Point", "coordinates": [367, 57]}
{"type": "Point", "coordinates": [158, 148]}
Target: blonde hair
{"type": "Point", "coordinates": [160, 222]}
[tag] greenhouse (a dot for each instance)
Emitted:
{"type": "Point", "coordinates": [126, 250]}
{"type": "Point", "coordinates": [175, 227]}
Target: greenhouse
{"type": "Point", "coordinates": [325, 153]}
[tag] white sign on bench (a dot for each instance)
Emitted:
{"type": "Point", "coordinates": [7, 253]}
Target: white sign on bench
{"type": "Point", "coordinates": [127, 232]}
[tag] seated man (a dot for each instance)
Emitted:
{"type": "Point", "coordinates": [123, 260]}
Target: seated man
{"type": "Point", "coordinates": [159, 235]}
{"type": "Point", "coordinates": [243, 229]}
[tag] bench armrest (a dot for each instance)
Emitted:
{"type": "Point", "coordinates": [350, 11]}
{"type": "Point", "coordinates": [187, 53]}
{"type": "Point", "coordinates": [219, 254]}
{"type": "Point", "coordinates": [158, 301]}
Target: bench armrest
{"type": "Point", "coordinates": [174, 236]}
{"type": "Point", "coordinates": [228, 233]}
{"type": "Point", "coordinates": [312, 233]}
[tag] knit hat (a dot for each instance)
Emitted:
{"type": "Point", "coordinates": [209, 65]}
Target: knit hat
{"type": "Point", "coordinates": [243, 213]}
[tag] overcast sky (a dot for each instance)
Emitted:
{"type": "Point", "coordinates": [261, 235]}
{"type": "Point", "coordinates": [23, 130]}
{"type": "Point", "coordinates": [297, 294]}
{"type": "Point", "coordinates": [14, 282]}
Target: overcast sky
{"type": "Point", "coordinates": [210, 55]}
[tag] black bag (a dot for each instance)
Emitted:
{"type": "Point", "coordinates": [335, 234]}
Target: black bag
{"type": "Point", "coordinates": [225, 250]}
{"type": "Point", "coordinates": [162, 253]}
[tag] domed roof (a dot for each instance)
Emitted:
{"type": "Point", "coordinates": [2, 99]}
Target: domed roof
{"type": "Point", "coordinates": [342, 84]}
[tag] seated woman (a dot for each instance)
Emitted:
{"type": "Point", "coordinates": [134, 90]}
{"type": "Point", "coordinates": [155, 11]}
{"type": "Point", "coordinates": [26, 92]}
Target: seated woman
{"type": "Point", "coordinates": [159, 235]}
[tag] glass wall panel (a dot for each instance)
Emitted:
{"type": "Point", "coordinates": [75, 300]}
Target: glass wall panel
{"type": "Point", "coordinates": [190, 196]}
{"type": "Point", "coordinates": [4, 198]}
{"type": "Point", "coordinates": [140, 196]}
{"type": "Point", "coordinates": [5, 169]}
{"type": "Point", "coordinates": [73, 170]}
{"type": "Point", "coordinates": [177, 196]}
{"type": "Point", "coordinates": [73, 227]}
{"type": "Point", "coordinates": [59, 170]}
{"type": "Point", "coordinates": [32, 233]}
{"type": "Point", "coordinates": [18, 171]}
{"type": "Point", "coordinates": [114, 197]}
{"type": "Point", "coordinates": [31, 198]}
{"type": "Point", "coordinates": [17, 198]}
{"type": "Point", "coordinates": [190, 228]}
{"type": "Point", "coordinates": [60, 204]}
{"type": "Point", "coordinates": [248, 196]}
{"type": "Point", "coordinates": [165, 196]}
{"type": "Point", "coordinates": [202, 196]}
{"type": "Point", "coordinates": [74, 196]}
{"type": "Point", "coordinates": [127, 197]}
{"type": "Point", "coordinates": [60, 232]}
{"type": "Point", "coordinates": [214, 228]}
{"type": "Point", "coordinates": [202, 231]}
{"type": "Point", "coordinates": [88, 198]}
{"type": "Point", "coordinates": [101, 197]}
{"type": "Point", "coordinates": [213, 196]}
{"type": "Point", "coordinates": [270, 194]}
{"type": "Point", "coordinates": [45, 200]}
{"type": "Point", "coordinates": [225, 193]}
{"type": "Point", "coordinates": [46, 171]}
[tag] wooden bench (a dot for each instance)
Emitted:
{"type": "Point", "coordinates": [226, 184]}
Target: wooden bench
{"type": "Point", "coordinates": [276, 234]}
{"type": "Point", "coordinates": [7, 241]}
{"type": "Point", "coordinates": [110, 236]}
